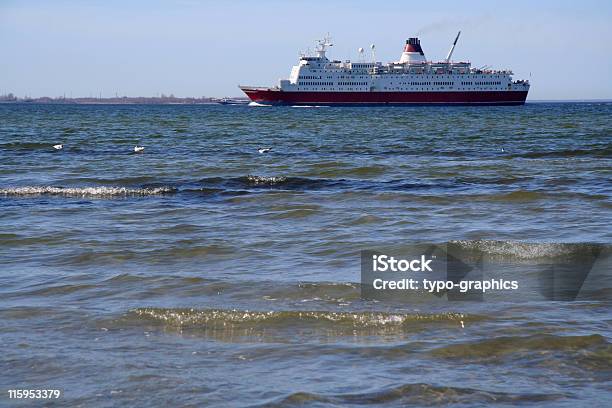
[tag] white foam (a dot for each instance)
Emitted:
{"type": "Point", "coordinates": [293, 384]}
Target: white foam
{"type": "Point", "coordinates": [265, 180]}
{"type": "Point", "coordinates": [257, 104]}
{"type": "Point", "coordinates": [522, 250]}
{"type": "Point", "coordinates": [84, 191]}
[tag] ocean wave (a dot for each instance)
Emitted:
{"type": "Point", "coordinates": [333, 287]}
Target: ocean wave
{"type": "Point", "coordinates": [528, 250]}
{"type": "Point", "coordinates": [316, 183]}
{"type": "Point", "coordinates": [274, 182]}
{"type": "Point", "coordinates": [220, 318]}
{"type": "Point", "coordinates": [85, 191]}
{"type": "Point", "coordinates": [211, 186]}
{"type": "Point", "coordinates": [517, 196]}
{"type": "Point", "coordinates": [423, 190]}
{"type": "Point", "coordinates": [137, 286]}
{"type": "Point", "coordinates": [16, 146]}
{"type": "Point", "coordinates": [596, 151]}
{"type": "Point", "coordinates": [147, 256]}
{"type": "Point", "coordinates": [414, 394]}
{"type": "Point", "coordinates": [342, 169]}
{"type": "Point", "coordinates": [500, 346]}
{"type": "Point", "coordinates": [270, 181]}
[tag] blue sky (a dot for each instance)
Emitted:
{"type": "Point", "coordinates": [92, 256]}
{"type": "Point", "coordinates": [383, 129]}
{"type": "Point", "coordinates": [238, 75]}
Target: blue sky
{"type": "Point", "coordinates": [198, 47]}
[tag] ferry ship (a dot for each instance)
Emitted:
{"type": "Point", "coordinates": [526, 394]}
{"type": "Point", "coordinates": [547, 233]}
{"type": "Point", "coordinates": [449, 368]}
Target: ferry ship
{"type": "Point", "coordinates": [413, 80]}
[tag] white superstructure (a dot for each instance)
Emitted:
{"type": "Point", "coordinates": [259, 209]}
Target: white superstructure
{"type": "Point", "coordinates": [411, 73]}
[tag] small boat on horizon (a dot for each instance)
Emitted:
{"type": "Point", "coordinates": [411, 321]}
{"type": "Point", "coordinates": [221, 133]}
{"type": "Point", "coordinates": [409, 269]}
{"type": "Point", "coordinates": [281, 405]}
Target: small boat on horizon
{"type": "Point", "coordinates": [231, 101]}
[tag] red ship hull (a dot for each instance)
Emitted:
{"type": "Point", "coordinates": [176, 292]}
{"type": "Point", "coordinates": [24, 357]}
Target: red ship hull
{"type": "Point", "coordinates": [271, 96]}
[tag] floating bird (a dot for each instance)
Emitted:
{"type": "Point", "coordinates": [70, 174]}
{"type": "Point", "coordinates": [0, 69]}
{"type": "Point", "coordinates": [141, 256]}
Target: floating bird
{"type": "Point", "coordinates": [264, 149]}
{"type": "Point", "coordinates": [58, 146]}
{"type": "Point", "coordinates": [138, 149]}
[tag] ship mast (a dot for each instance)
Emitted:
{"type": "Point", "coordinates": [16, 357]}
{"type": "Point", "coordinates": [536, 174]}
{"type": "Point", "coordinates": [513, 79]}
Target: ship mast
{"type": "Point", "coordinates": [323, 44]}
{"type": "Point", "coordinates": [450, 53]}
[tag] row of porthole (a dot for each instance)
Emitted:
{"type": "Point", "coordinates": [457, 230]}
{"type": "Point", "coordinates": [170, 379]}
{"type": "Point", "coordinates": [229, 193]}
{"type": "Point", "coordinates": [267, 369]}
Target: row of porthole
{"type": "Point", "coordinates": [386, 88]}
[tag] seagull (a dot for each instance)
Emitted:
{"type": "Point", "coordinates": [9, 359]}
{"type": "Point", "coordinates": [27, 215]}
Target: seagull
{"type": "Point", "coordinates": [58, 146]}
{"type": "Point", "coordinates": [264, 149]}
{"type": "Point", "coordinates": [138, 149]}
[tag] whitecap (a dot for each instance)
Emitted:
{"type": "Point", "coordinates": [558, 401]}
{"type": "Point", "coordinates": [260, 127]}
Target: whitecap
{"type": "Point", "coordinates": [84, 191]}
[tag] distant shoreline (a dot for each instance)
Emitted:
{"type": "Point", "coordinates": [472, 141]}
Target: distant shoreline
{"type": "Point", "coordinates": [124, 100]}
{"type": "Point", "coordinates": [105, 103]}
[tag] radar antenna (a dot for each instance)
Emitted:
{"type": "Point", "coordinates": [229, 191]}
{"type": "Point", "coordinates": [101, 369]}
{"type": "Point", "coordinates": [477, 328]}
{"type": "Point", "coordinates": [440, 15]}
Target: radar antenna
{"type": "Point", "coordinates": [360, 51]}
{"type": "Point", "coordinates": [323, 44]}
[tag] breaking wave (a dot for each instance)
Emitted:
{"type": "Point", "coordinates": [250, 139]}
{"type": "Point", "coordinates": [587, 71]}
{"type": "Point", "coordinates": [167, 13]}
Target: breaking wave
{"type": "Point", "coordinates": [528, 250]}
{"type": "Point", "coordinates": [219, 318]}
{"type": "Point", "coordinates": [85, 191]}
{"type": "Point", "coordinates": [257, 180]}
{"type": "Point", "coordinates": [365, 181]}
{"type": "Point", "coordinates": [316, 183]}
{"type": "Point", "coordinates": [250, 181]}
